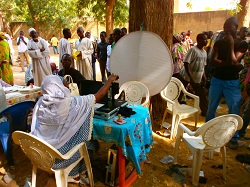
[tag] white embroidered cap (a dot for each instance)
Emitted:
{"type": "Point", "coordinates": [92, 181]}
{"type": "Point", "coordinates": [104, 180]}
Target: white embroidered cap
{"type": "Point", "coordinates": [31, 29]}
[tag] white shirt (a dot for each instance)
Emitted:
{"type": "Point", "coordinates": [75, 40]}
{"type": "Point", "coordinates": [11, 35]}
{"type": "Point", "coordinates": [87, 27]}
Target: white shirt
{"type": "Point", "coordinates": [65, 48]}
{"type": "Point", "coordinates": [197, 59]}
{"type": "Point", "coordinates": [109, 49]}
{"type": "Point", "coordinates": [22, 47]}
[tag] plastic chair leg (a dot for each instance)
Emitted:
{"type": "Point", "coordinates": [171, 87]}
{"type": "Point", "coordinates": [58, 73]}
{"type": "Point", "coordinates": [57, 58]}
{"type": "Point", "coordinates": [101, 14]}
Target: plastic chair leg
{"type": "Point", "coordinates": [176, 123]}
{"type": "Point", "coordinates": [173, 126]}
{"type": "Point", "coordinates": [196, 166]}
{"type": "Point", "coordinates": [177, 143]}
{"type": "Point", "coordinates": [224, 154]}
{"type": "Point", "coordinates": [61, 178]}
{"type": "Point", "coordinates": [4, 140]}
{"type": "Point", "coordinates": [88, 165]}
{"type": "Point", "coordinates": [164, 116]}
{"type": "Point", "coordinates": [210, 155]}
{"type": "Point", "coordinates": [33, 182]}
{"type": "Point", "coordinates": [196, 120]}
{"type": "Point", "coordinates": [7, 146]}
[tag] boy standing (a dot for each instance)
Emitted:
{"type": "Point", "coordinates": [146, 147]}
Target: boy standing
{"type": "Point", "coordinates": [65, 47]}
{"type": "Point", "coordinates": [193, 70]}
{"type": "Point", "coordinates": [22, 42]}
{"type": "Point", "coordinates": [54, 43]}
{"type": "Point", "coordinates": [102, 54]}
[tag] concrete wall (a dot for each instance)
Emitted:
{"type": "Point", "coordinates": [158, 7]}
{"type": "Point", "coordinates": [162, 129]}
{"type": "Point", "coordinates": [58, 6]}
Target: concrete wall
{"type": "Point", "coordinates": [195, 21]}
{"type": "Point", "coordinates": [199, 21]}
{"type": "Point", "coordinates": [16, 27]}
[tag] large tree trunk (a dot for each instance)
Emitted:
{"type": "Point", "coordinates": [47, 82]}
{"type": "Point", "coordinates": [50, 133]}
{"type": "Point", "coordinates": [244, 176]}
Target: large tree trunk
{"type": "Point", "coordinates": [157, 17]}
{"type": "Point", "coordinates": [244, 14]}
{"type": "Point", "coordinates": [6, 27]}
{"type": "Point", "coordinates": [33, 15]}
{"type": "Point", "coordinates": [110, 4]}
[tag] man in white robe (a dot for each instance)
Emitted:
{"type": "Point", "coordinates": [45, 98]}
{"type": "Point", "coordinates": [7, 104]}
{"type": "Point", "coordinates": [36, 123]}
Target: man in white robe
{"type": "Point", "coordinates": [39, 52]}
{"type": "Point", "coordinates": [65, 46]}
{"type": "Point", "coordinates": [84, 59]}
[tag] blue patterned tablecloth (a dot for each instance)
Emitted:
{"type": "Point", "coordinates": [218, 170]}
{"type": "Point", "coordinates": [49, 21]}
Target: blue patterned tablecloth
{"type": "Point", "coordinates": [134, 137]}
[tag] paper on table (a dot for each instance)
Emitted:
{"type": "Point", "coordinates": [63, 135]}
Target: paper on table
{"type": "Point", "coordinates": [9, 89]}
{"type": "Point", "coordinates": [98, 105]}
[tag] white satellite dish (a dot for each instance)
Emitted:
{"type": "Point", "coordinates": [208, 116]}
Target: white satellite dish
{"type": "Point", "coordinates": [142, 56]}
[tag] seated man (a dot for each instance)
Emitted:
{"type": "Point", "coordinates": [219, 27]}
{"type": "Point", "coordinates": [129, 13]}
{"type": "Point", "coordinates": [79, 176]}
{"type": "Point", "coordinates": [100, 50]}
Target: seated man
{"type": "Point", "coordinates": [29, 78]}
{"type": "Point", "coordinates": [67, 70]}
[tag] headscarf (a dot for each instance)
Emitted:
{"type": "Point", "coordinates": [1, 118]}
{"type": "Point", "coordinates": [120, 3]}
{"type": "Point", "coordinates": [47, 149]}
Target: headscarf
{"type": "Point", "coordinates": [31, 29]}
{"type": "Point", "coordinates": [56, 100]}
{"type": "Point", "coordinates": [3, 101]}
{"type": "Point", "coordinates": [57, 116]}
{"type": "Point", "coordinates": [2, 36]}
{"type": "Point", "coordinates": [7, 36]}
{"type": "Point", "coordinates": [178, 37]}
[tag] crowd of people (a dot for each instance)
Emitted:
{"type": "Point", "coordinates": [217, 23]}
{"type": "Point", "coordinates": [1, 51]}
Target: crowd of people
{"type": "Point", "coordinates": [71, 116]}
{"type": "Point", "coordinates": [227, 72]}
{"type": "Point", "coordinates": [230, 79]}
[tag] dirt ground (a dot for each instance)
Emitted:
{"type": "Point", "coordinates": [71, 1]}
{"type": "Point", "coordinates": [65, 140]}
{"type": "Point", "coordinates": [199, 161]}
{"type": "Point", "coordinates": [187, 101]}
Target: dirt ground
{"type": "Point", "coordinates": [153, 170]}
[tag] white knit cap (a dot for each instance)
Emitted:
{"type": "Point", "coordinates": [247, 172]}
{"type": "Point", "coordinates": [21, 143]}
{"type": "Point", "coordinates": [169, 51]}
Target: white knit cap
{"type": "Point", "coordinates": [32, 29]}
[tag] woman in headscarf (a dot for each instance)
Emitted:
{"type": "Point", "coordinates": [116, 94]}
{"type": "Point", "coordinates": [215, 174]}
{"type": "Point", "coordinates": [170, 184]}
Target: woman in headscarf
{"type": "Point", "coordinates": [65, 121]}
{"type": "Point", "coordinates": [5, 61]}
{"type": "Point", "coordinates": [3, 101]}
{"type": "Point", "coordinates": [177, 54]}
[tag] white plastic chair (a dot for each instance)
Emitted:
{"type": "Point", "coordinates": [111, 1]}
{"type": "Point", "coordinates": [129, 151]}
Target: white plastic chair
{"type": "Point", "coordinates": [42, 156]}
{"type": "Point", "coordinates": [135, 91]}
{"type": "Point", "coordinates": [179, 111]}
{"type": "Point", "coordinates": [214, 134]}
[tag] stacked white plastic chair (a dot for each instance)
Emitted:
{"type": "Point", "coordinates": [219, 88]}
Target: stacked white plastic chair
{"type": "Point", "coordinates": [179, 111]}
{"type": "Point", "coordinates": [212, 135]}
{"type": "Point", "coordinates": [134, 92]}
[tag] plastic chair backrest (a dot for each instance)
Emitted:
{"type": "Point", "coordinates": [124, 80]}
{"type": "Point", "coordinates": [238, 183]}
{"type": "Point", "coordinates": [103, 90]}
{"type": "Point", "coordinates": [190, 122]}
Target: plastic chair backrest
{"type": "Point", "coordinates": [17, 115]}
{"type": "Point", "coordinates": [173, 89]}
{"type": "Point", "coordinates": [218, 131]}
{"type": "Point", "coordinates": [135, 91]}
{"type": "Point", "coordinates": [41, 154]}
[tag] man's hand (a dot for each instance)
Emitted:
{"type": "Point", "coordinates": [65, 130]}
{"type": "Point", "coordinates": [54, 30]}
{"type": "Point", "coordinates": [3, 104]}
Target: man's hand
{"type": "Point", "coordinates": [80, 54]}
{"type": "Point", "coordinates": [113, 77]}
{"type": "Point", "coordinates": [228, 37]}
{"type": "Point", "coordinates": [43, 49]}
{"type": "Point", "coordinates": [193, 84]}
